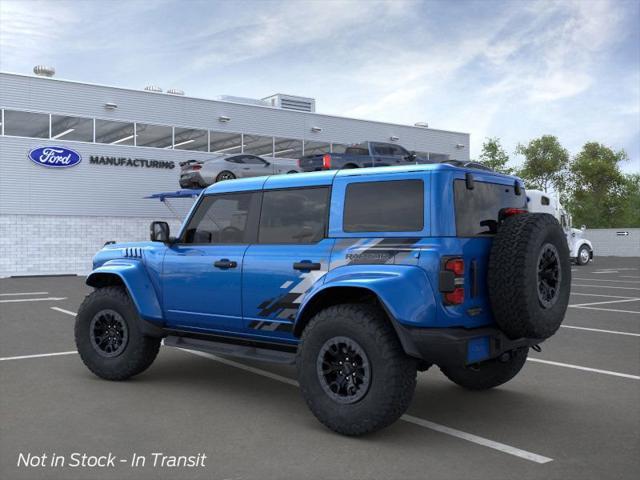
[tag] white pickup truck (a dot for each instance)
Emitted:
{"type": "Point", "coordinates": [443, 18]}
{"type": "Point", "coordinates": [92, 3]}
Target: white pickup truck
{"type": "Point", "coordinates": [580, 248]}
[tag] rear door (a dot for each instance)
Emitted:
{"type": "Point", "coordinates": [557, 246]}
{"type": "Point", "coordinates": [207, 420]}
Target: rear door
{"type": "Point", "coordinates": [202, 272]}
{"type": "Point", "coordinates": [291, 254]}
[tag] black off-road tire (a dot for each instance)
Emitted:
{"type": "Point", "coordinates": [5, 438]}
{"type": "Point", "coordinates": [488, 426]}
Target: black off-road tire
{"type": "Point", "coordinates": [579, 259]}
{"type": "Point", "coordinates": [392, 379]}
{"type": "Point", "coordinates": [521, 279]}
{"type": "Point", "coordinates": [225, 175]}
{"type": "Point", "coordinates": [139, 351]}
{"type": "Point", "coordinates": [487, 374]}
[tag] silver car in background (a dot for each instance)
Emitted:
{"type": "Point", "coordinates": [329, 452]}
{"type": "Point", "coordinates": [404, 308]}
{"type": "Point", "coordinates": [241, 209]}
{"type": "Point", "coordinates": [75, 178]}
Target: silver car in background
{"type": "Point", "coordinates": [202, 173]}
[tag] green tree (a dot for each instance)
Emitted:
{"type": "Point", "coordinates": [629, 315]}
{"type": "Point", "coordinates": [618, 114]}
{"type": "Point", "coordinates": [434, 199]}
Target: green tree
{"type": "Point", "coordinates": [630, 215]}
{"type": "Point", "coordinates": [494, 156]}
{"type": "Point", "coordinates": [600, 195]}
{"type": "Point", "coordinates": [545, 164]}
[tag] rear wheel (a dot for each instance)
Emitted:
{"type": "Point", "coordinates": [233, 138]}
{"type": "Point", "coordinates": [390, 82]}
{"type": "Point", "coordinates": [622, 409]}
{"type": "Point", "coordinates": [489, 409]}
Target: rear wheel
{"type": "Point", "coordinates": [225, 175]}
{"type": "Point", "coordinates": [583, 255]}
{"type": "Point", "coordinates": [353, 372]}
{"type": "Point", "coordinates": [108, 335]}
{"type": "Point", "coordinates": [488, 374]}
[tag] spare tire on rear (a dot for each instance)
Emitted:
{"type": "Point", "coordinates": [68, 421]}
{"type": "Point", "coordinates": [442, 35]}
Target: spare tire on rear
{"type": "Point", "coordinates": [529, 276]}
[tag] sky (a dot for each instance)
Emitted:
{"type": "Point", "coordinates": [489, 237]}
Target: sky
{"type": "Point", "coordinates": [509, 69]}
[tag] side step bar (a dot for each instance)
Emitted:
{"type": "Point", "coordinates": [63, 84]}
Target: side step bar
{"type": "Point", "coordinates": [242, 351]}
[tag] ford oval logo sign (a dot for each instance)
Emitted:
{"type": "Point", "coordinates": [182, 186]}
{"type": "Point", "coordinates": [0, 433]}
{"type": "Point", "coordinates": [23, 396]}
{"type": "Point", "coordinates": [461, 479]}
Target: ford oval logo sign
{"type": "Point", "coordinates": [55, 157]}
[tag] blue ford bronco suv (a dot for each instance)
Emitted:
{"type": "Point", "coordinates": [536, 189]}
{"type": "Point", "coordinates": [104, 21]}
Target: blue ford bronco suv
{"type": "Point", "coordinates": [360, 277]}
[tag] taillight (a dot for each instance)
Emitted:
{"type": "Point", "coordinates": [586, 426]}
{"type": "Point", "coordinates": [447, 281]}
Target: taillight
{"type": "Point", "coordinates": [196, 167]}
{"type": "Point", "coordinates": [326, 161]}
{"type": "Point", "coordinates": [452, 280]}
{"type": "Point", "coordinates": [509, 212]}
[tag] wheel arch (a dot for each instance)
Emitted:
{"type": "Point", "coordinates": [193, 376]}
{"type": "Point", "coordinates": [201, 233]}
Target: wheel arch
{"type": "Point", "coordinates": [133, 277]}
{"type": "Point", "coordinates": [341, 294]}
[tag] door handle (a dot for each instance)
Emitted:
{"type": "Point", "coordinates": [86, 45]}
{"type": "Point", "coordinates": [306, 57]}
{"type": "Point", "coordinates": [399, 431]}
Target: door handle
{"type": "Point", "coordinates": [306, 266]}
{"type": "Point", "coordinates": [225, 263]}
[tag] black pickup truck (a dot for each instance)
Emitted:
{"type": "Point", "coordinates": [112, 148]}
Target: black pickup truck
{"type": "Point", "coordinates": [366, 154]}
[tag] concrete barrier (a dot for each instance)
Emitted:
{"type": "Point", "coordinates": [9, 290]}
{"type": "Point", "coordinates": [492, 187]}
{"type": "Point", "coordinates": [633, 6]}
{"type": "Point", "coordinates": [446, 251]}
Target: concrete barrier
{"type": "Point", "coordinates": [618, 242]}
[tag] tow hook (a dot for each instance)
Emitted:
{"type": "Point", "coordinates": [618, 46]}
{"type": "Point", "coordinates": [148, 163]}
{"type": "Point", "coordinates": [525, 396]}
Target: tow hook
{"type": "Point", "coordinates": [536, 348]}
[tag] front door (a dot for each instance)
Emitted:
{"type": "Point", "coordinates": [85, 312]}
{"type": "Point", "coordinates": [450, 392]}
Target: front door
{"type": "Point", "coordinates": [202, 272]}
{"type": "Point", "coordinates": [291, 255]}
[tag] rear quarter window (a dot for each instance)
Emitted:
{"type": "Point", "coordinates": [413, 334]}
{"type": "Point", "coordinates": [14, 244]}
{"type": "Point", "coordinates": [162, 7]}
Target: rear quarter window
{"type": "Point", "coordinates": [391, 206]}
{"type": "Point", "coordinates": [477, 210]}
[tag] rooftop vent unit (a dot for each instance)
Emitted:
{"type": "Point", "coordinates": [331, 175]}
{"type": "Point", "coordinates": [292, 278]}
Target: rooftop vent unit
{"type": "Point", "coordinates": [44, 71]}
{"type": "Point", "coordinates": [291, 102]}
{"type": "Point", "coordinates": [245, 100]}
{"type": "Point", "coordinates": [175, 91]}
{"type": "Point", "coordinates": [421, 124]}
{"type": "Point", "coordinates": [153, 88]}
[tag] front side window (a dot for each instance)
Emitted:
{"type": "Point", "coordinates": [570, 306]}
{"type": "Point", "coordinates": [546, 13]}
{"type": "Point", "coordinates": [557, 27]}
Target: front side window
{"type": "Point", "coordinates": [294, 215]}
{"type": "Point", "coordinates": [393, 206]}
{"type": "Point", "coordinates": [253, 160]}
{"type": "Point", "coordinates": [26, 124]}
{"type": "Point", "coordinates": [223, 219]}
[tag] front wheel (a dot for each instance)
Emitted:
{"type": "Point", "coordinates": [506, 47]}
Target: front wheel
{"type": "Point", "coordinates": [488, 374]}
{"type": "Point", "coordinates": [353, 372]}
{"type": "Point", "coordinates": [108, 335]}
{"type": "Point", "coordinates": [583, 255]}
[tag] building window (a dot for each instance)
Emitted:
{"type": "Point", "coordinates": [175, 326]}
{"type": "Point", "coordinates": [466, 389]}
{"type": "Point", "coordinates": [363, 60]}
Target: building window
{"type": "Point", "coordinates": [401, 210]}
{"type": "Point", "coordinates": [114, 133]}
{"type": "Point", "coordinates": [287, 148]}
{"type": "Point", "coordinates": [71, 128]}
{"type": "Point", "coordinates": [191, 139]}
{"type": "Point", "coordinates": [293, 215]}
{"type": "Point", "coordinates": [316, 148]}
{"type": "Point", "coordinates": [26, 124]}
{"type": "Point", "coordinates": [157, 136]}
{"type": "Point", "coordinates": [225, 143]}
{"type": "Point", "coordinates": [258, 145]}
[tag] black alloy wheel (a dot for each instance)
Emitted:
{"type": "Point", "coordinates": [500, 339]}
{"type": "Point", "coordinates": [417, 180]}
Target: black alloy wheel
{"type": "Point", "coordinates": [343, 370]}
{"type": "Point", "coordinates": [549, 275]}
{"type": "Point", "coordinates": [109, 333]}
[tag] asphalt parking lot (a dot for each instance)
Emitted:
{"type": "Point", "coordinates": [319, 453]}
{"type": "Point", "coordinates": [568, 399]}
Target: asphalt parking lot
{"type": "Point", "coordinates": [573, 412]}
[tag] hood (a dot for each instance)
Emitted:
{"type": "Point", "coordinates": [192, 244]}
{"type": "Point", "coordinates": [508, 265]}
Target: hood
{"type": "Point", "coordinates": [124, 250]}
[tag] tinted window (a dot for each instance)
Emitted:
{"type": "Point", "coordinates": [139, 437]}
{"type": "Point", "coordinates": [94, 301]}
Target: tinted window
{"type": "Point", "coordinates": [26, 124]}
{"type": "Point", "coordinates": [394, 206]}
{"type": "Point", "coordinates": [293, 215]}
{"type": "Point", "coordinates": [477, 210]}
{"type": "Point", "coordinates": [157, 136]}
{"type": "Point", "coordinates": [190, 139]}
{"type": "Point", "coordinates": [224, 142]}
{"type": "Point", "coordinates": [113, 132]}
{"type": "Point", "coordinates": [238, 159]}
{"type": "Point", "coordinates": [71, 128]}
{"type": "Point", "coordinates": [356, 151]}
{"type": "Point", "coordinates": [222, 219]}
{"type": "Point", "coordinates": [253, 160]}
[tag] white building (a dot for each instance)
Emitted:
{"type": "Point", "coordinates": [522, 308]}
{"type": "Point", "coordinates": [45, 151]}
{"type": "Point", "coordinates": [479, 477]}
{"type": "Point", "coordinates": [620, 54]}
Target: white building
{"type": "Point", "coordinates": [52, 220]}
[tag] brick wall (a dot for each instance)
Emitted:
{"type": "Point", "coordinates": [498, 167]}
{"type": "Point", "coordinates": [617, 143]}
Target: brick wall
{"type": "Point", "coordinates": [45, 244]}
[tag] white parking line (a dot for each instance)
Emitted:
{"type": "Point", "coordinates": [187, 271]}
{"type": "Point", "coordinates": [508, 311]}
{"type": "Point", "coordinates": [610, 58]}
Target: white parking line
{"type": "Point", "coordinates": [23, 293]}
{"type": "Point", "coordinates": [601, 331]}
{"type": "Point", "coordinates": [62, 310]}
{"type": "Point", "coordinates": [615, 287]}
{"type": "Point", "coordinates": [47, 299]}
{"type": "Point", "coordinates": [598, 295]}
{"type": "Point", "coordinates": [533, 457]}
{"type": "Point", "coordinates": [607, 280]}
{"type": "Point", "coordinates": [632, 299]}
{"type": "Point", "coordinates": [608, 310]}
{"type": "Point", "coordinates": [607, 271]}
{"type": "Point", "coordinates": [629, 276]}
{"type": "Point", "coordinates": [40, 355]}
{"type": "Point", "coordinates": [586, 369]}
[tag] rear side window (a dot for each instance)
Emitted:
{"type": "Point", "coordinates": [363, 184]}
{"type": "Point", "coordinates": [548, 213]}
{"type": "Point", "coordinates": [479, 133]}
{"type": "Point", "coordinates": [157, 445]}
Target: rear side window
{"type": "Point", "coordinates": [394, 206]}
{"type": "Point", "coordinates": [477, 210]}
{"type": "Point", "coordinates": [294, 215]}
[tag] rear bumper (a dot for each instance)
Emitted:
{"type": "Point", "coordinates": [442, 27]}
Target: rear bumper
{"type": "Point", "coordinates": [459, 346]}
{"type": "Point", "coordinates": [191, 179]}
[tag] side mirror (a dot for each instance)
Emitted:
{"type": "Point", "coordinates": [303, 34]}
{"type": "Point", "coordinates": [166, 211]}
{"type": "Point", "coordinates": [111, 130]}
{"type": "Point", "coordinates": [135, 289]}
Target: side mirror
{"type": "Point", "coordinates": [159, 232]}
